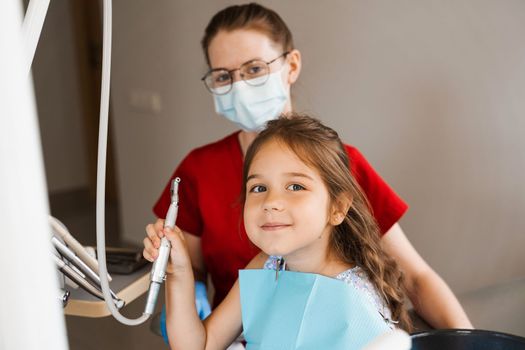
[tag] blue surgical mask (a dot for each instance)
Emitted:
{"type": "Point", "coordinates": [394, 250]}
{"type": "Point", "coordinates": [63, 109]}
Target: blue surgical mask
{"type": "Point", "coordinates": [251, 107]}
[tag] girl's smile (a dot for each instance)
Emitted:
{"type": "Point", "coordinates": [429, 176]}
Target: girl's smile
{"type": "Point", "coordinates": [274, 226]}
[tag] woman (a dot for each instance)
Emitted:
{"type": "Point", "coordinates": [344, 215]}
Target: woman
{"type": "Point", "coordinates": [253, 65]}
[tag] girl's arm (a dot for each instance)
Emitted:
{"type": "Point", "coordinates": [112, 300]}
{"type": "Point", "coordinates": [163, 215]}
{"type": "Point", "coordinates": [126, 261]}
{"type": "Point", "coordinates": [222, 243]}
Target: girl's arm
{"type": "Point", "coordinates": [185, 329]}
{"type": "Point", "coordinates": [224, 324]}
{"type": "Point", "coordinates": [430, 295]}
{"type": "Point", "coordinates": [193, 243]}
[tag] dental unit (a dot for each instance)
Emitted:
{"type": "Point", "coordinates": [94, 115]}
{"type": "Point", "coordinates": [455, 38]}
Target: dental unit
{"type": "Point", "coordinates": [60, 230]}
{"type": "Point", "coordinates": [76, 263]}
{"type": "Point", "coordinates": [76, 277]}
{"type": "Point", "coordinates": [70, 257]}
{"type": "Point", "coordinates": [86, 272]}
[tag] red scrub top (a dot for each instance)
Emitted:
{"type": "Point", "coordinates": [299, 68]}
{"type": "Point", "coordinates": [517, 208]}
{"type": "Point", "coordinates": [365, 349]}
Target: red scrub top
{"type": "Point", "coordinates": [210, 208]}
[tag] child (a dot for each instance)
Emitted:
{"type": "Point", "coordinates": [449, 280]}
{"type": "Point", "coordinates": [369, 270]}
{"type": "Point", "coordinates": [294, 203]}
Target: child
{"type": "Point", "coordinates": [304, 210]}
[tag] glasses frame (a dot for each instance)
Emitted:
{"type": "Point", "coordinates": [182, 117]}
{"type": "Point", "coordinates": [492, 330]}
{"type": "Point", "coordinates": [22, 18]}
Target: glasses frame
{"type": "Point", "coordinates": [231, 71]}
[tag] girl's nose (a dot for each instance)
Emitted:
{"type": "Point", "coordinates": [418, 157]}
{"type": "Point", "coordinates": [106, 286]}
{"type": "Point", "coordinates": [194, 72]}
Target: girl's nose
{"type": "Point", "coordinates": [273, 202]}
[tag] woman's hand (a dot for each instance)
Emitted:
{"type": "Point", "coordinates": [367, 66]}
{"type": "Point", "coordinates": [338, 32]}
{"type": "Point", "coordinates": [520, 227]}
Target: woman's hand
{"type": "Point", "coordinates": [179, 261]}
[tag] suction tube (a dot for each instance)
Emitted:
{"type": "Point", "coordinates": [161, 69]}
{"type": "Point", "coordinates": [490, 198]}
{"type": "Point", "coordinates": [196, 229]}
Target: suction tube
{"type": "Point", "coordinates": [101, 172]}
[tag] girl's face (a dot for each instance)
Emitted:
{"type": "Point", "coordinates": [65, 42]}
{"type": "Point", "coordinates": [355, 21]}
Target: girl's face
{"type": "Point", "coordinates": [230, 49]}
{"type": "Point", "coordinates": [287, 205]}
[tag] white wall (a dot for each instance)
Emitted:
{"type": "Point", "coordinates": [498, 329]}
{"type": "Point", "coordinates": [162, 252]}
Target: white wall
{"type": "Point", "coordinates": [432, 92]}
{"type": "Point", "coordinates": [58, 100]}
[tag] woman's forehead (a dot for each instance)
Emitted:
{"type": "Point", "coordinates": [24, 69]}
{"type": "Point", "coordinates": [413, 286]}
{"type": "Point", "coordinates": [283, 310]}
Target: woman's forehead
{"type": "Point", "coordinates": [230, 49]}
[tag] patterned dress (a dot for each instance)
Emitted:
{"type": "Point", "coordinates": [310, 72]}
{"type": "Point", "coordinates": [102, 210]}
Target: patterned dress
{"type": "Point", "coordinates": [355, 277]}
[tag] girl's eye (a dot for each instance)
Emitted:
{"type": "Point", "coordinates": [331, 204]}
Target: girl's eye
{"type": "Point", "coordinates": [258, 189]}
{"type": "Point", "coordinates": [295, 187]}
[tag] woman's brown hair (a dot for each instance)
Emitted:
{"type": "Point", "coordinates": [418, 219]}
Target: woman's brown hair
{"type": "Point", "coordinates": [357, 239]}
{"type": "Point", "coordinates": [249, 16]}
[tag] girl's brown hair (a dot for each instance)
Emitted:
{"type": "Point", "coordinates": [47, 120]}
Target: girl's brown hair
{"type": "Point", "coordinates": [357, 239]}
{"type": "Point", "coordinates": [248, 16]}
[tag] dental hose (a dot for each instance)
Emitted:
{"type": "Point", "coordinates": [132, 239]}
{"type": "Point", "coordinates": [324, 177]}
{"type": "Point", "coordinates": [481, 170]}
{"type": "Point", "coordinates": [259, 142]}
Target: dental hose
{"type": "Point", "coordinates": [159, 268]}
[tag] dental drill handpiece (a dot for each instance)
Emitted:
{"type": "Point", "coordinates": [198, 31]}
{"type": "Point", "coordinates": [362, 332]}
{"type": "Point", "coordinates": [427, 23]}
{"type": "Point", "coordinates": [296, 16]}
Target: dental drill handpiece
{"type": "Point", "coordinates": [158, 271]}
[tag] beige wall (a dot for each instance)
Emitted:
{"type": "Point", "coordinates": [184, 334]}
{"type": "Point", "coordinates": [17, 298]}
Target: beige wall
{"type": "Point", "coordinates": [433, 93]}
{"type": "Point", "coordinates": [57, 93]}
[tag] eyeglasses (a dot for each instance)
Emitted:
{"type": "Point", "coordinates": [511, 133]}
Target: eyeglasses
{"type": "Point", "coordinates": [255, 73]}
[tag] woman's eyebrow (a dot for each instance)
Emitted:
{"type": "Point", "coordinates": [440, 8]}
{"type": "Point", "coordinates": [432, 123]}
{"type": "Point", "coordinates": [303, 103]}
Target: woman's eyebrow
{"type": "Point", "coordinates": [229, 70]}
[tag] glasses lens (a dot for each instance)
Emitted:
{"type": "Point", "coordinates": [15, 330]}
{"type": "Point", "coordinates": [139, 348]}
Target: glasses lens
{"type": "Point", "coordinates": [221, 90]}
{"type": "Point", "coordinates": [218, 81]}
{"type": "Point", "coordinates": [255, 72]}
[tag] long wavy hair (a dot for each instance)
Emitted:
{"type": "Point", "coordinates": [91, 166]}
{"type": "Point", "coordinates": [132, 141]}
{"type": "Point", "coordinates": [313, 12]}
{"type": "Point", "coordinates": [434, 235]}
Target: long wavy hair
{"type": "Point", "coordinates": [357, 239]}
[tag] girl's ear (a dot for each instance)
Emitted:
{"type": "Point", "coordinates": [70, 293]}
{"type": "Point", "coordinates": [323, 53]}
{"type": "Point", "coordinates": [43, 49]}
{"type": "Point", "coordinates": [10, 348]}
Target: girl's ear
{"type": "Point", "coordinates": [339, 209]}
{"type": "Point", "coordinates": [294, 60]}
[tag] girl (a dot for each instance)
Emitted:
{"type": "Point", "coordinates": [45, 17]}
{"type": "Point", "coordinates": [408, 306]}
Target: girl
{"type": "Point", "coordinates": [307, 214]}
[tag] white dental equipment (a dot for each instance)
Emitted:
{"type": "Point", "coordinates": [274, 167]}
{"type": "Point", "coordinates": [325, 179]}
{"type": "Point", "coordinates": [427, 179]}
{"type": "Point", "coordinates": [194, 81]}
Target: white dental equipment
{"type": "Point", "coordinates": [158, 271]}
{"type": "Point", "coordinates": [32, 316]}
{"type": "Point", "coordinates": [81, 281]}
{"type": "Point", "coordinates": [92, 285]}
{"type": "Point", "coordinates": [31, 29]}
{"type": "Point", "coordinates": [63, 296]}
{"type": "Point", "coordinates": [62, 232]}
{"type": "Point", "coordinates": [84, 265]}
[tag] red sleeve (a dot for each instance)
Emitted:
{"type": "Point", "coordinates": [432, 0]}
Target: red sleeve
{"type": "Point", "coordinates": [387, 207]}
{"type": "Point", "coordinates": [189, 216]}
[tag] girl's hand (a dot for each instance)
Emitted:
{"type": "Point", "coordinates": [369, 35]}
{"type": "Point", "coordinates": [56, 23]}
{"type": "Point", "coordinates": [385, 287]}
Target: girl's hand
{"type": "Point", "coordinates": [179, 262]}
{"type": "Point", "coordinates": [179, 258]}
{"type": "Point", "coordinates": [154, 233]}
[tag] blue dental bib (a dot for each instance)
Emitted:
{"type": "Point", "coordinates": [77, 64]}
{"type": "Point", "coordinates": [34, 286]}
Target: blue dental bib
{"type": "Point", "coordinates": [305, 311]}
